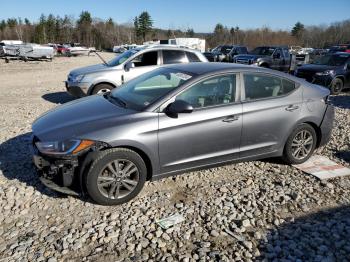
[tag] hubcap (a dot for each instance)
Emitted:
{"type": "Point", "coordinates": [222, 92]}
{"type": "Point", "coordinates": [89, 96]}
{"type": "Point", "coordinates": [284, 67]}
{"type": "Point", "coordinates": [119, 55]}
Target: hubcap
{"type": "Point", "coordinates": [302, 144]}
{"type": "Point", "coordinates": [118, 179]}
{"type": "Point", "coordinates": [102, 91]}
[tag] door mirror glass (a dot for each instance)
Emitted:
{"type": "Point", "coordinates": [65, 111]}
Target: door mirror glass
{"type": "Point", "coordinates": [178, 107]}
{"type": "Point", "coordinates": [128, 66]}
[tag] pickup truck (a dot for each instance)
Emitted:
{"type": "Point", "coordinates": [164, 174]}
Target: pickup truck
{"type": "Point", "coordinates": [274, 57]}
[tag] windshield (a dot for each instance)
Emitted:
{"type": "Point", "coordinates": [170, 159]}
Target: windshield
{"type": "Point", "coordinates": [144, 90]}
{"type": "Point", "coordinates": [122, 57]}
{"type": "Point", "coordinates": [263, 51]}
{"type": "Point", "coordinates": [332, 60]}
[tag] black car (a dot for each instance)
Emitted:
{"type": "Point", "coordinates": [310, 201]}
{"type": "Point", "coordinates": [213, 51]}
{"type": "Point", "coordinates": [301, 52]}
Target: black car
{"type": "Point", "coordinates": [224, 53]}
{"type": "Point", "coordinates": [332, 70]}
{"type": "Point", "coordinates": [274, 57]}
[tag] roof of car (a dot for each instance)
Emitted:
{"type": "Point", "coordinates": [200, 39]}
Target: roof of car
{"type": "Point", "coordinates": [201, 68]}
{"type": "Point", "coordinates": [207, 67]}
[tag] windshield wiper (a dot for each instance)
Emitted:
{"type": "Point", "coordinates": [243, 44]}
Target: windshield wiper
{"type": "Point", "coordinates": [114, 99]}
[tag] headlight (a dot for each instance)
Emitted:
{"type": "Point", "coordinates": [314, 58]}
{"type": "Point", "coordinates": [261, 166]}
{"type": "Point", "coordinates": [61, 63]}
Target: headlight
{"type": "Point", "coordinates": [72, 146]}
{"type": "Point", "coordinates": [326, 73]}
{"type": "Point", "coordinates": [78, 78]}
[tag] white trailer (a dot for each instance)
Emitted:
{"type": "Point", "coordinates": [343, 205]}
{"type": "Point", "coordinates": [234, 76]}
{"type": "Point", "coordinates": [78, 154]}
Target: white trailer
{"type": "Point", "coordinates": [193, 43]}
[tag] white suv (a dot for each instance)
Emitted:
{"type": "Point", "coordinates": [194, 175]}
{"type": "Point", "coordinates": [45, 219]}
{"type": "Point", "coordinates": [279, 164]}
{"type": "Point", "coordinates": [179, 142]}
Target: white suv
{"type": "Point", "coordinates": [103, 77]}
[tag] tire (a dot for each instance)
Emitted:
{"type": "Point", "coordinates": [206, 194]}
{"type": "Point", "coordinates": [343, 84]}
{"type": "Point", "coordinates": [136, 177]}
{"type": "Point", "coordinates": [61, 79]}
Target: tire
{"type": "Point", "coordinates": [101, 88]}
{"type": "Point", "coordinates": [264, 65]}
{"type": "Point", "coordinates": [104, 194]}
{"type": "Point", "coordinates": [292, 146]}
{"type": "Point", "coordinates": [336, 86]}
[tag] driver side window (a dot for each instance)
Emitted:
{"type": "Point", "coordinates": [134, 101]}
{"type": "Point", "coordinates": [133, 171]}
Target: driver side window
{"type": "Point", "coordinates": [215, 91]}
{"type": "Point", "coordinates": [146, 59]}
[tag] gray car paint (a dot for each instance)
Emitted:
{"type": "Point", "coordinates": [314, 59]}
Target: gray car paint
{"type": "Point", "coordinates": [192, 140]}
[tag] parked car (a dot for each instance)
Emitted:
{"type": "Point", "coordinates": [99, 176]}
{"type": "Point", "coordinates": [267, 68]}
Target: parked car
{"type": "Point", "coordinates": [236, 50]}
{"type": "Point", "coordinates": [61, 49]}
{"type": "Point", "coordinates": [225, 53]}
{"type": "Point", "coordinates": [332, 71]}
{"type": "Point", "coordinates": [274, 57]}
{"type": "Point", "coordinates": [340, 48]}
{"type": "Point", "coordinates": [175, 119]}
{"type": "Point", "coordinates": [101, 78]}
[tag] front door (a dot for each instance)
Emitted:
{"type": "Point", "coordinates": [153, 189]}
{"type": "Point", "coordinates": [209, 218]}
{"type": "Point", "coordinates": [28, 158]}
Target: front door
{"type": "Point", "coordinates": [210, 134]}
{"type": "Point", "coordinates": [143, 63]}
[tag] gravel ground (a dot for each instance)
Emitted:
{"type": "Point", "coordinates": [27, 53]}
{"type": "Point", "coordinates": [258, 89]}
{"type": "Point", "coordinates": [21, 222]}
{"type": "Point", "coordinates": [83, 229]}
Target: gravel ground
{"type": "Point", "coordinates": [261, 210]}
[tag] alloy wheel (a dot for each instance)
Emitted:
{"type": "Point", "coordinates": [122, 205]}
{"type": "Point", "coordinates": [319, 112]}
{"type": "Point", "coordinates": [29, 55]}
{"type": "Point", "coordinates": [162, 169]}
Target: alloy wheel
{"type": "Point", "coordinates": [302, 144]}
{"type": "Point", "coordinates": [102, 91]}
{"type": "Point", "coordinates": [118, 179]}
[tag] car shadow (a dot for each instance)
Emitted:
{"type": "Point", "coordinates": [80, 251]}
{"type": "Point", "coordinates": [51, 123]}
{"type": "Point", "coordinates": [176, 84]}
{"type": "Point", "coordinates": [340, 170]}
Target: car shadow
{"type": "Point", "coordinates": [16, 163]}
{"type": "Point", "coordinates": [341, 101]}
{"type": "Point", "coordinates": [321, 236]}
{"type": "Point", "coordinates": [345, 155]}
{"type": "Point", "coordinates": [58, 97]}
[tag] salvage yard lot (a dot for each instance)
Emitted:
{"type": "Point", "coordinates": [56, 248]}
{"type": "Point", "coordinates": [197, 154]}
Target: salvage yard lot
{"type": "Point", "coordinates": [242, 212]}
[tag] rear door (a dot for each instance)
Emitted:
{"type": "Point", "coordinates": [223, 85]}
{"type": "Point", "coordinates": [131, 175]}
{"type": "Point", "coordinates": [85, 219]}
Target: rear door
{"type": "Point", "coordinates": [173, 57]}
{"type": "Point", "coordinates": [210, 134]}
{"type": "Point", "coordinates": [271, 107]}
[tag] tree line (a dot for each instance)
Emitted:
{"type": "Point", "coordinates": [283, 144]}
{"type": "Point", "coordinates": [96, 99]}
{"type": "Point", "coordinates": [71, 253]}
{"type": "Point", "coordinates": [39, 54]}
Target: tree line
{"type": "Point", "coordinates": [104, 34]}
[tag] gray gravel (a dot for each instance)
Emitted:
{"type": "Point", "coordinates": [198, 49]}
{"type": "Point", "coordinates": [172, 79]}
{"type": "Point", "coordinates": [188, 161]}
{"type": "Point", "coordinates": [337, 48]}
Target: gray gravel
{"type": "Point", "coordinates": [260, 210]}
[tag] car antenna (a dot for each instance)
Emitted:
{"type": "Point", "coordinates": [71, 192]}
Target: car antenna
{"type": "Point", "coordinates": [104, 61]}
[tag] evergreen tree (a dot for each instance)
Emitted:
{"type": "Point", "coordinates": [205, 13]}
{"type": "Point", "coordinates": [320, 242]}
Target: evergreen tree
{"type": "Point", "coordinates": [298, 29]}
{"type": "Point", "coordinates": [144, 24]}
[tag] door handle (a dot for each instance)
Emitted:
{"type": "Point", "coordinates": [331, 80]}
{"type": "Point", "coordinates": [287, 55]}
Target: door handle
{"type": "Point", "coordinates": [230, 118]}
{"type": "Point", "coordinates": [291, 108]}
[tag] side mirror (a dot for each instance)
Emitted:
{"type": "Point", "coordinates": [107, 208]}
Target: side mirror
{"type": "Point", "coordinates": [276, 55]}
{"type": "Point", "coordinates": [128, 66]}
{"type": "Point", "coordinates": [178, 107]}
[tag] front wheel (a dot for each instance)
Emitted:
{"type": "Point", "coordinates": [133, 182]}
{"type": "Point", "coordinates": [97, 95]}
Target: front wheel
{"type": "Point", "coordinates": [300, 145]}
{"type": "Point", "coordinates": [116, 176]}
{"type": "Point", "coordinates": [336, 86]}
{"type": "Point", "coordinates": [101, 89]}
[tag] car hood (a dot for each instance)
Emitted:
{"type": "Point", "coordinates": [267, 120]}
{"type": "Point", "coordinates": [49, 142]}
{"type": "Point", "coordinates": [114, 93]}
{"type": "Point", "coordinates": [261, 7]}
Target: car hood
{"type": "Point", "coordinates": [249, 56]}
{"type": "Point", "coordinates": [90, 69]}
{"type": "Point", "coordinates": [315, 68]}
{"type": "Point", "coordinates": [78, 118]}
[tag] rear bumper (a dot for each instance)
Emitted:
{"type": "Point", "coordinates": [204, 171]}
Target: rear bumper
{"type": "Point", "coordinates": [327, 125]}
{"type": "Point", "coordinates": [77, 89]}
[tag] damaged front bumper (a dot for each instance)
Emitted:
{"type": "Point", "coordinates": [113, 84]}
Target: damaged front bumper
{"type": "Point", "coordinates": [60, 174]}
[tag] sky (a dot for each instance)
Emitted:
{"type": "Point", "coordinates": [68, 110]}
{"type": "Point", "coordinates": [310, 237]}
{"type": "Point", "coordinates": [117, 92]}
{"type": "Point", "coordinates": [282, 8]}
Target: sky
{"type": "Point", "coordinates": [202, 16]}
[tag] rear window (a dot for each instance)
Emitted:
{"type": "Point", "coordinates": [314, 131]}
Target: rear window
{"type": "Point", "coordinates": [192, 57]}
{"type": "Point", "coordinates": [173, 57]}
{"type": "Point", "coordinates": [258, 86]}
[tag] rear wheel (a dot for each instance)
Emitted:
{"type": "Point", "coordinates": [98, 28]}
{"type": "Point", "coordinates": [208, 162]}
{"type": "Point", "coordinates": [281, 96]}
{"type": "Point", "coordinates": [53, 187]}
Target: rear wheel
{"type": "Point", "coordinates": [116, 176]}
{"type": "Point", "coordinates": [300, 145]}
{"type": "Point", "coordinates": [101, 89]}
{"type": "Point", "coordinates": [336, 86]}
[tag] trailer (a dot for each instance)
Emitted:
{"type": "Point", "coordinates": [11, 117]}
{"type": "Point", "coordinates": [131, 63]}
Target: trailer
{"type": "Point", "coordinates": [194, 43]}
{"type": "Point", "coordinates": [26, 52]}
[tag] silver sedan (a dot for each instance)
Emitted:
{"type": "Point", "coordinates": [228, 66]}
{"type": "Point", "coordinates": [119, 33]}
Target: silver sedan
{"type": "Point", "coordinates": [176, 119]}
